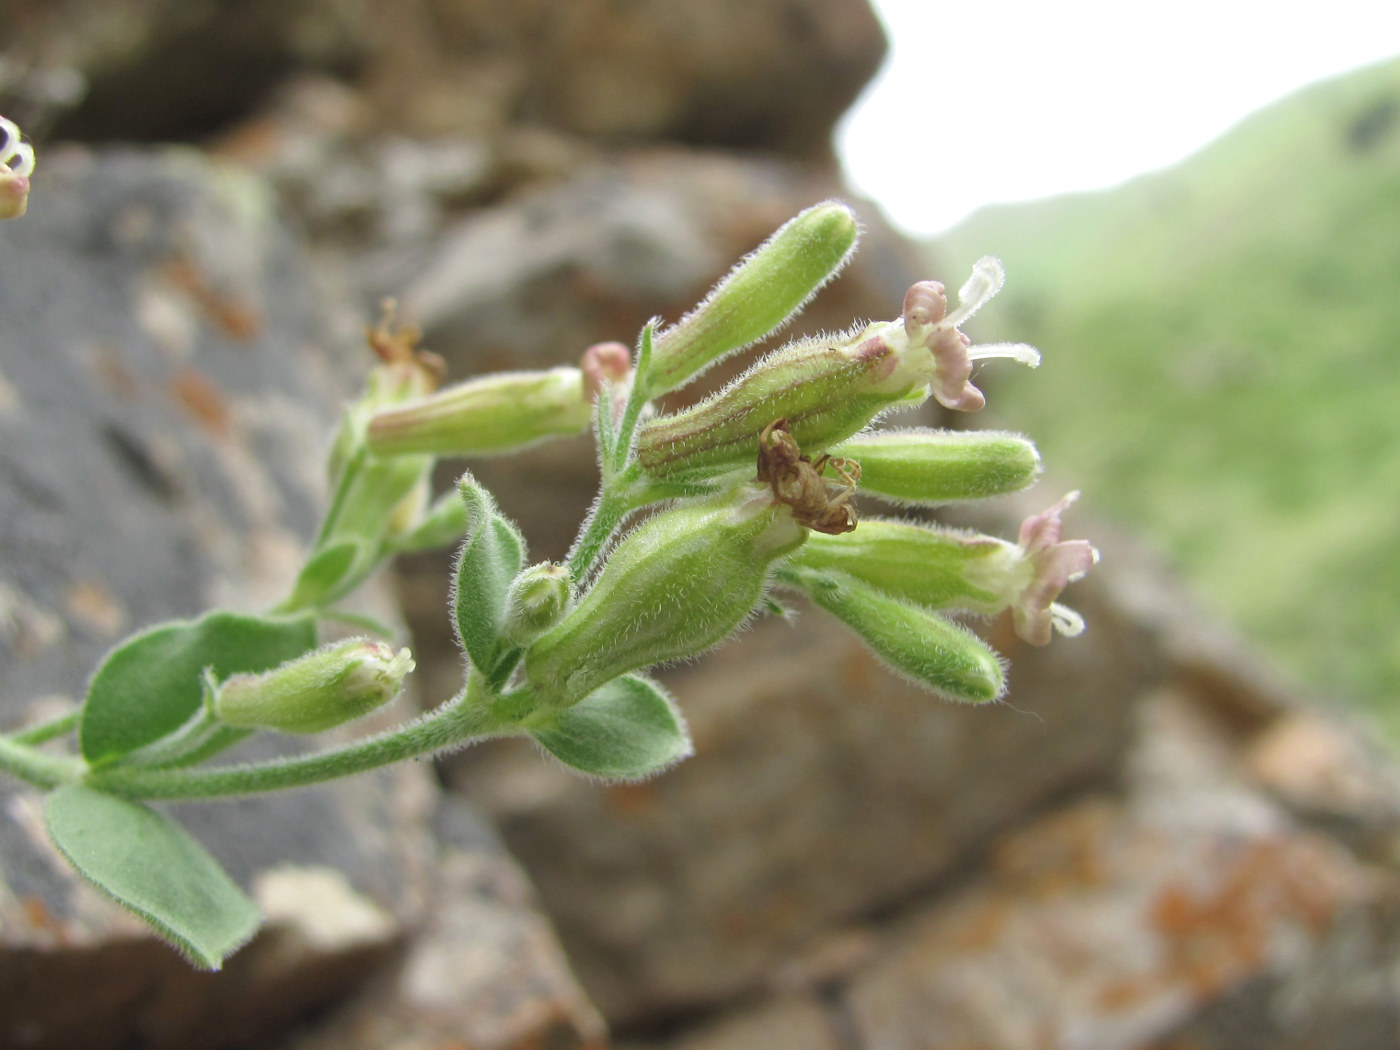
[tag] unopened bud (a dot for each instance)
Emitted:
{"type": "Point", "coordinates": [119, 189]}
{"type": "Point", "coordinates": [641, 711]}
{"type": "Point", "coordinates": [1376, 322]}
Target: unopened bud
{"type": "Point", "coordinates": [944, 569]}
{"type": "Point", "coordinates": [318, 691]}
{"type": "Point", "coordinates": [827, 390]}
{"type": "Point", "coordinates": [603, 364]}
{"type": "Point", "coordinates": [679, 583]}
{"type": "Point", "coordinates": [491, 414]}
{"type": "Point", "coordinates": [758, 296]}
{"type": "Point", "coordinates": [914, 642]}
{"type": "Point", "coordinates": [925, 468]}
{"type": "Point", "coordinates": [915, 563]}
{"type": "Point", "coordinates": [537, 600]}
{"type": "Point", "coordinates": [16, 165]}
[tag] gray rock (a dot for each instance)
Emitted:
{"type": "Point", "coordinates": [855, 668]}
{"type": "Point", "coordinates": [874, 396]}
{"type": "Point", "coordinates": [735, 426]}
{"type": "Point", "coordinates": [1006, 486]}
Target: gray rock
{"type": "Point", "coordinates": [485, 969]}
{"type": "Point", "coordinates": [1112, 926]}
{"type": "Point", "coordinates": [168, 395]}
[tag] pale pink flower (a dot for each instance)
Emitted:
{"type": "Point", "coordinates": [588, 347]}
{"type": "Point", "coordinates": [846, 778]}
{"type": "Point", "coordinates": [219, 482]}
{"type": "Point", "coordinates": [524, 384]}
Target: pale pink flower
{"type": "Point", "coordinates": [928, 325]}
{"type": "Point", "coordinates": [1052, 565]}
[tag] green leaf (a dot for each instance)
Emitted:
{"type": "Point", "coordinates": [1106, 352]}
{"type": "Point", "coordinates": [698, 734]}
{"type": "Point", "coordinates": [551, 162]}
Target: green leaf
{"type": "Point", "coordinates": [151, 683]}
{"type": "Point", "coordinates": [491, 556]}
{"type": "Point", "coordinates": [146, 862]}
{"type": "Point", "coordinates": [628, 729]}
{"type": "Point", "coordinates": [327, 574]}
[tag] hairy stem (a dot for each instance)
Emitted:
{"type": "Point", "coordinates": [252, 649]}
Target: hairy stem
{"type": "Point", "coordinates": [464, 719]}
{"type": "Point", "coordinates": [46, 731]}
{"type": "Point", "coordinates": [37, 768]}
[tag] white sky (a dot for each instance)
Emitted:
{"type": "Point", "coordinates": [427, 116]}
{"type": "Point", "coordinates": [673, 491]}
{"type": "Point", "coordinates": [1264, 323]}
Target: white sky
{"type": "Point", "coordinates": [1015, 99]}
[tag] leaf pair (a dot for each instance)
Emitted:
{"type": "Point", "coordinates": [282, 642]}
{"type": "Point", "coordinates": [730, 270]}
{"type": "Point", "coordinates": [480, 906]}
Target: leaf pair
{"type": "Point", "coordinates": [145, 689]}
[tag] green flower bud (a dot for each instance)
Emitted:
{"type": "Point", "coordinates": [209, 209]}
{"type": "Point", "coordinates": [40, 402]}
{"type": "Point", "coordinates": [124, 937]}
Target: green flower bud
{"type": "Point", "coordinates": [925, 468]}
{"type": "Point", "coordinates": [679, 583]}
{"type": "Point", "coordinates": [488, 415]}
{"type": "Point", "coordinates": [914, 642]}
{"type": "Point", "coordinates": [946, 569]}
{"type": "Point", "coordinates": [537, 600]}
{"type": "Point", "coordinates": [16, 165]}
{"type": "Point", "coordinates": [317, 691]}
{"type": "Point", "coordinates": [915, 563]}
{"type": "Point", "coordinates": [758, 296]}
{"type": "Point", "coordinates": [826, 390]}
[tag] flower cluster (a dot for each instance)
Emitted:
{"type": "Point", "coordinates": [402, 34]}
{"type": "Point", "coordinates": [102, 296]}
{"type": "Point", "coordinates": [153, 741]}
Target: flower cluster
{"type": "Point", "coordinates": [750, 490]}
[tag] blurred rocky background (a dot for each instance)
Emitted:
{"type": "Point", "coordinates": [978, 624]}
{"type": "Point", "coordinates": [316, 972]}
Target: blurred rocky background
{"type": "Point", "coordinates": [1153, 844]}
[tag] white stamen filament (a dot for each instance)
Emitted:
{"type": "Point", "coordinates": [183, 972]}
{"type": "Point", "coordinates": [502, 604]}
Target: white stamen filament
{"type": "Point", "coordinates": [1065, 620]}
{"type": "Point", "coordinates": [1022, 352]}
{"type": "Point", "coordinates": [987, 278]}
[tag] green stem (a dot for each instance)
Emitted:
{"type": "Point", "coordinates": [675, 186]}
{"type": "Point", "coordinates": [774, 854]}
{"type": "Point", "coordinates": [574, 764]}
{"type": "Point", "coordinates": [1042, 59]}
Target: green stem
{"type": "Point", "coordinates": [50, 730]}
{"type": "Point", "coordinates": [201, 737]}
{"type": "Point", "coordinates": [41, 770]}
{"type": "Point", "coordinates": [342, 492]}
{"type": "Point", "coordinates": [462, 720]}
{"type": "Point", "coordinates": [615, 502]}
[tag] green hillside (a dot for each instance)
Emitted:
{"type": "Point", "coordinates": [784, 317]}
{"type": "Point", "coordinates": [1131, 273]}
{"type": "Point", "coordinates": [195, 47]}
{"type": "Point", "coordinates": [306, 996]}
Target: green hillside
{"type": "Point", "coordinates": [1222, 369]}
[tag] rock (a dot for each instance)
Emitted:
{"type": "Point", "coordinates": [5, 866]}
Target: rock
{"type": "Point", "coordinates": [484, 971]}
{"type": "Point", "coordinates": [823, 790]}
{"type": "Point", "coordinates": [1332, 775]}
{"type": "Point", "coordinates": [154, 70]}
{"type": "Point", "coordinates": [1114, 925]}
{"type": "Point", "coordinates": [770, 76]}
{"type": "Point", "coordinates": [793, 1023]}
{"type": "Point", "coordinates": [169, 389]}
{"type": "Point", "coordinates": [766, 76]}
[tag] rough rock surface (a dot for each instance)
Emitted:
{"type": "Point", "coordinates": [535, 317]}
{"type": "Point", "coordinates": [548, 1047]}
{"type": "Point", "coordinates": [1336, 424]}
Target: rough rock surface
{"type": "Point", "coordinates": [773, 75]}
{"type": "Point", "coordinates": [484, 970]}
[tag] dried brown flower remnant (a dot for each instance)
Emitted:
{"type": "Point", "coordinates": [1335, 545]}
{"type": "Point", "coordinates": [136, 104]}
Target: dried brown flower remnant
{"type": "Point", "coordinates": [820, 503]}
{"type": "Point", "coordinates": [396, 344]}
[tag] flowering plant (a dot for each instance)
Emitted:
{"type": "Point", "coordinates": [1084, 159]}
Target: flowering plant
{"type": "Point", "coordinates": [704, 518]}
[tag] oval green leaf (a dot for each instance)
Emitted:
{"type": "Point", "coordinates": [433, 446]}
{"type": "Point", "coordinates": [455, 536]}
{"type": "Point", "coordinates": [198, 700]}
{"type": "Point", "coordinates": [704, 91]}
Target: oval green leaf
{"type": "Point", "coordinates": [629, 729]}
{"type": "Point", "coordinates": [330, 572]}
{"type": "Point", "coordinates": [491, 556]}
{"type": "Point", "coordinates": [149, 864]}
{"type": "Point", "coordinates": [151, 683]}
